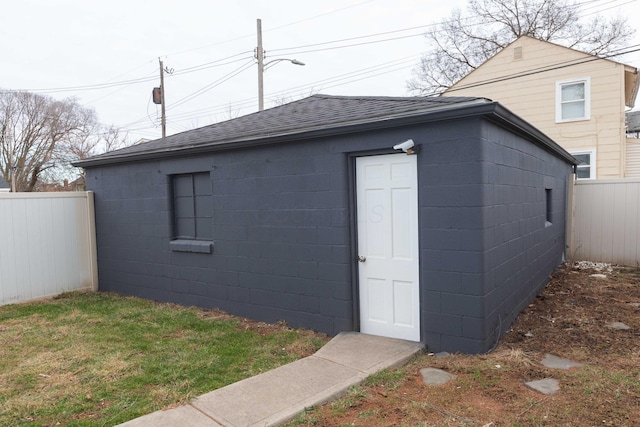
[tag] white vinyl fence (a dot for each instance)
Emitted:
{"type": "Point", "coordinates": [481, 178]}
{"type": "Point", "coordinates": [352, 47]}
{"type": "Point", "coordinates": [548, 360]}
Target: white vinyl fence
{"type": "Point", "coordinates": [47, 245]}
{"type": "Point", "coordinates": [47, 240]}
{"type": "Point", "coordinates": [606, 221]}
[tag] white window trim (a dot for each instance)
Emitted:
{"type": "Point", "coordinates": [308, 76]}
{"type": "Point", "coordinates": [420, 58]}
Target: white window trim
{"type": "Point", "coordinates": [587, 99]}
{"type": "Point", "coordinates": [592, 153]}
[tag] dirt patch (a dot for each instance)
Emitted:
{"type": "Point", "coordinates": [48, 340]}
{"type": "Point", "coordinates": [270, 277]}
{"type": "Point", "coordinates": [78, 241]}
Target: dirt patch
{"type": "Point", "coordinates": [568, 319]}
{"type": "Point", "coordinates": [299, 348]}
{"type": "Point", "coordinates": [261, 328]}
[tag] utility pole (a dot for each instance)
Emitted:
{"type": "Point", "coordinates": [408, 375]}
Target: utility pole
{"type": "Point", "coordinates": [260, 58]}
{"type": "Point", "coordinates": [164, 117]}
{"type": "Point", "coordinates": [261, 66]}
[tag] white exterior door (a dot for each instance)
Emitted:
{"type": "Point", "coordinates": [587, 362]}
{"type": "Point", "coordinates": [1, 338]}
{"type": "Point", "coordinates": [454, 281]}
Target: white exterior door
{"type": "Point", "coordinates": [387, 204]}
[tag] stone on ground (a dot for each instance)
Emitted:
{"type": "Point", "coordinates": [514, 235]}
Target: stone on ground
{"type": "Point", "coordinates": [555, 362]}
{"type": "Point", "coordinates": [618, 325]}
{"type": "Point", "coordinates": [435, 376]}
{"type": "Point", "coordinates": [546, 386]}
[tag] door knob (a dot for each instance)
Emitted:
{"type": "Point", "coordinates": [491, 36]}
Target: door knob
{"type": "Point", "coordinates": [361, 258]}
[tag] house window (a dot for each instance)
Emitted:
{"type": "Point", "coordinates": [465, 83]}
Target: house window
{"type": "Point", "coordinates": [586, 169]}
{"type": "Point", "coordinates": [573, 100]}
{"type": "Point", "coordinates": [192, 208]}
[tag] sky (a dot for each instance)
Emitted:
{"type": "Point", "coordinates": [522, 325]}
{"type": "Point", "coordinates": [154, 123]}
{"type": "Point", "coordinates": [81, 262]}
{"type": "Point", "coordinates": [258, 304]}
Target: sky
{"type": "Point", "coordinates": [106, 53]}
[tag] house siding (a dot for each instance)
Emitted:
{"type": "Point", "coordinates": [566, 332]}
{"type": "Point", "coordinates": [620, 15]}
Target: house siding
{"type": "Point", "coordinates": [633, 158]}
{"type": "Point", "coordinates": [284, 236]}
{"type": "Point", "coordinates": [532, 96]}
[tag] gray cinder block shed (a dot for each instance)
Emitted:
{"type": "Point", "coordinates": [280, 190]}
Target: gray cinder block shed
{"type": "Point", "coordinates": [306, 213]}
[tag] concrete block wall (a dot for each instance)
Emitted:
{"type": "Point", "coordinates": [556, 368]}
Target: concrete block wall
{"type": "Point", "coordinates": [281, 235]}
{"type": "Point", "coordinates": [283, 246]}
{"type": "Point", "coordinates": [487, 248]}
{"type": "Point", "coordinates": [523, 247]}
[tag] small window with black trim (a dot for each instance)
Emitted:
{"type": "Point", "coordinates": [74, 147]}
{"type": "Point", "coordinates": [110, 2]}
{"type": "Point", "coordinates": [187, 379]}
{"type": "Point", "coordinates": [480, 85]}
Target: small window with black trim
{"type": "Point", "coordinates": [192, 212]}
{"type": "Point", "coordinates": [548, 207]}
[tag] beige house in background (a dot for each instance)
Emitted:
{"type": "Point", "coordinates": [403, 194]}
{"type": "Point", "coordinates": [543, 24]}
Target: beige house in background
{"type": "Point", "coordinates": [575, 98]}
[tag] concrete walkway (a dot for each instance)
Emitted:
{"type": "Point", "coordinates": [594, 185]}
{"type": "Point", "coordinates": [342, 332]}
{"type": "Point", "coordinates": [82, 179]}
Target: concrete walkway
{"type": "Point", "coordinates": [277, 396]}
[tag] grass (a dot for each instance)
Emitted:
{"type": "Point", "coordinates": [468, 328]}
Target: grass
{"type": "Point", "coordinates": [97, 359]}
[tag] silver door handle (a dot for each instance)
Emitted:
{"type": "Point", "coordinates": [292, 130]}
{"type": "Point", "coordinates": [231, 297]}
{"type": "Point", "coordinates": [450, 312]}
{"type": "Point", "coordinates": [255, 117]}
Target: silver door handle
{"type": "Point", "coordinates": [361, 258]}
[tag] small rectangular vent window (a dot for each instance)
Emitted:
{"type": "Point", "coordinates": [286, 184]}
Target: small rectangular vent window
{"type": "Point", "coordinates": [548, 207]}
{"type": "Point", "coordinates": [517, 52]}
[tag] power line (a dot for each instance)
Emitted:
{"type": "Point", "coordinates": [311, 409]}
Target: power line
{"type": "Point", "coordinates": [379, 70]}
{"type": "Point", "coordinates": [107, 85]}
{"type": "Point", "coordinates": [294, 51]}
{"type": "Point", "coordinates": [231, 60]}
{"type": "Point", "coordinates": [354, 38]}
{"type": "Point", "coordinates": [212, 64]}
{"type": "Point", "coordinates": [200, 91]}
{"type": "Point", "coordinates": [114, 91]}
{"type": "Point", "coordinates": [213, 84]}
{"type": "Point", "coordinates": [541, 70]}
{"type": "Point", "coordinates": [220, 62]}
{"type": "Point", "coordinates": [372, 72]}
{"type": "Point", "coordinates": [268, 30]}
{"type": "Point", "coordinates": [349, 77]}
{"type": "Point", "coordinates": [354, 44]}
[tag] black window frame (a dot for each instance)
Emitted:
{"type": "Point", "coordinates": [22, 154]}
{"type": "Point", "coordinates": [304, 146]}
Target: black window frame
{"type": "Point", "coordinates": [192, 212]}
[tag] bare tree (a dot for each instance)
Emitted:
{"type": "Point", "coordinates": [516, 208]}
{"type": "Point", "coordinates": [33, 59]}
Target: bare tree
{"type": "Point", "coordinates": [231, 112]}
{"type": "Point", "coordinates": [40, 137]}
{"type": "Point", "coordinates": [462, 43]}
{"type": "Point", "coordinates": [285, 98]}
{"type": "Point", "coordinates": [94, 140]}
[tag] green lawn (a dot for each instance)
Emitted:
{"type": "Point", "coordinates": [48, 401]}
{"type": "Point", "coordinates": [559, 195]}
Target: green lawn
{"type": "Point", "coordinates": [94, 359]}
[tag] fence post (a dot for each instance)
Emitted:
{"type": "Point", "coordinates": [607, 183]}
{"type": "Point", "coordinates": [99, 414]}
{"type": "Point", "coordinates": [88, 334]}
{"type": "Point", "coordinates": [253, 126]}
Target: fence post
{"type": "Point", "coordinates": [570, 215]}
{"type": "Point", "coordinates": [93, 252]}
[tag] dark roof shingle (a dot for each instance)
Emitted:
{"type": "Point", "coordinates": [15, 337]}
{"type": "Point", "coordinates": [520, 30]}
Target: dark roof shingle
{"type": "Point", "coordinates": [316, 112]}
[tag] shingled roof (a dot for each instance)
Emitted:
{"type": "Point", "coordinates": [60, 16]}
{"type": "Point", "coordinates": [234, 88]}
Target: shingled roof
{"type": "Point", "coordinates": [321, 116]}
{"type": "Point", "coordinates": [314, 114]}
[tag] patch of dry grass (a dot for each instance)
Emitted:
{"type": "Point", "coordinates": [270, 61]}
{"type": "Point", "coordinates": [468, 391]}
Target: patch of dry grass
{"type": "Point", "coordinates": [102, 359]}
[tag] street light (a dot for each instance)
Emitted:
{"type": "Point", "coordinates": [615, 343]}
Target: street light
{"type": "Point", "coordinates": [262, 66]}
{"type": "Point", "coordinates": [293, 61]}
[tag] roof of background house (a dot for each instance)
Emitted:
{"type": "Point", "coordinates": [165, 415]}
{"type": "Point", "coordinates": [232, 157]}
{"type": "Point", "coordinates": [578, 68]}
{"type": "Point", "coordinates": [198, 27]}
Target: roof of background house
{"type": "Point", "coordinates": [313, 117]}
{"type": "Point", "coordinates": [631, 72]}
{"type": "Point", "coordinates": [3, 183]}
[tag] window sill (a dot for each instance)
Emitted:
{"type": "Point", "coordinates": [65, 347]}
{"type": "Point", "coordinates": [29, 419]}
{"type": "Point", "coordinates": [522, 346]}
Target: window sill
{"type": "Point", "coordinates": [577, 119]}
{"type": "Point", "coordinates": [194, 246]}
